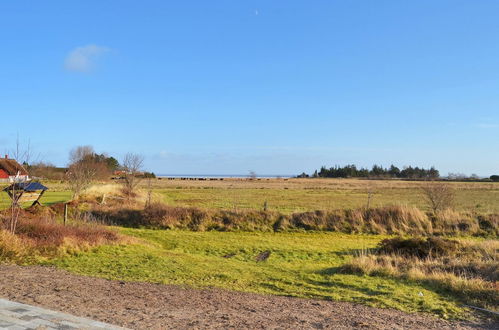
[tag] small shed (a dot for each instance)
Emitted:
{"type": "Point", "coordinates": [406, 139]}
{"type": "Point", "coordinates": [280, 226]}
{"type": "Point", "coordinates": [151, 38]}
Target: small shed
{"type": "Point", "coordinates": [23, 192]}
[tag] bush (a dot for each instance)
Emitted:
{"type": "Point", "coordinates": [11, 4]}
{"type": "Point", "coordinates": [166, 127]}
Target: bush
{"type": "Point", "coordinates": [38, 236]}
{"type": "Point", "coordinates": [47, 233]}
{"type": "Point", "coordinates": [420, 247]}
{"type": "Point", "coordinates": [489, 224]}
{"type": "Point", "coordinates": [439, 196]}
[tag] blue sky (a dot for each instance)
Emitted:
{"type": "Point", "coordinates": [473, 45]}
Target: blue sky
{"type": "Point", "coordinates": [277, 87]}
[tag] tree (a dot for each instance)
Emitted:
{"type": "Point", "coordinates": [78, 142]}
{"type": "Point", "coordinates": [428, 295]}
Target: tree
{"type": "Point", "coordinates": [15, 206]}
{"type": "Point", "coordinates": [132, 164]}
{"type": "Point", "coordinates": [112, 163]}
{"type": "Point", "coordinates": [377, 171]}
{"type": "Point", "coordinates": [23, 155]}
{"type": "Point", "coordinates": [394, 171]}
{"type": "Point", "coordinates": [439, 196]}
{"type": "Point", "coordinates": [23, 152]}
{"type": "Point", "coordinates": [494, 178]}
{"type": "Point", "coordinates": [46, 171]}
{"type": "Point", "coordinates": [82, 169]}
{"type": "Point", "coordinates": [81, 153]}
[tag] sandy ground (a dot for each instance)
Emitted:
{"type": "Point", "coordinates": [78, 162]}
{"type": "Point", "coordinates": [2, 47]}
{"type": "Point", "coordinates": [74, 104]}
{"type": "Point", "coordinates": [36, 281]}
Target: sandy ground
{"type": "Point", "coordinates": [153, 306]}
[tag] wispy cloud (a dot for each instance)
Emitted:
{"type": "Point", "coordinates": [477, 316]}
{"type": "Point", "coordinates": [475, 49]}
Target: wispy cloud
{"type": "Point", "coordinates": [82, 59]}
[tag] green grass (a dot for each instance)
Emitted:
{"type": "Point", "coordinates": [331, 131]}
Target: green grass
{"type": "Point", "coordinates": [50, 197]}
{"type": "Point", "coordinates": [300, 265]}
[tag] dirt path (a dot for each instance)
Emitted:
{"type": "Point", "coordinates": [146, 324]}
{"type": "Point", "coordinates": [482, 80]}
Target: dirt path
{"type": "Point", "coordinates": [152, 306]}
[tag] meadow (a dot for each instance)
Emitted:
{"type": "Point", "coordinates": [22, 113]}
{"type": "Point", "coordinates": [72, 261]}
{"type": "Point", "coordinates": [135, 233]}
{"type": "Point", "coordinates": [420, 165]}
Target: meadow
{"type": "Point", "coordinates": [298, 195]}
{"type": "Point", "coordinates": [301, 262]}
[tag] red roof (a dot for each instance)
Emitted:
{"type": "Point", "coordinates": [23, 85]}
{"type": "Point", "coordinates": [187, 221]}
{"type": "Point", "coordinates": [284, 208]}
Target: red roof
{"type": "Point", "coordinates": [12, 167]}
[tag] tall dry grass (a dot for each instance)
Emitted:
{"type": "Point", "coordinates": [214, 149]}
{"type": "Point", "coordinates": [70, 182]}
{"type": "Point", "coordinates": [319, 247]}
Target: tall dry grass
{"type": "Point", "coordinates": [391, 220]}
{"type": "Point", "coordinates": [468, 270]}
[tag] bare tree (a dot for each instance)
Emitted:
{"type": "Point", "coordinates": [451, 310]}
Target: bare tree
{"type": "Point", "coordinates": [23, 152]}
{"type": "Point", "coordinates": [82, 169]}
{"type": "Point", "coordinates": [438, 195]}
{"type": "Point", "coordinates": [23, 155]}
{"type": "Point", "coordinates": [80, 154]}
{"type": "Point", "coordinates": [15, 206]}
{"type": "Point", "coordinates": [132, 165]}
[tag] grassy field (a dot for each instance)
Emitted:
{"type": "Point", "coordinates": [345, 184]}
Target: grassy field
{"type": "Point", "coordinates": [299, 200]}
{"type": "Point", "coordinates": [301, 265]}
{"type": "Point", "coordinates": [297, 195]}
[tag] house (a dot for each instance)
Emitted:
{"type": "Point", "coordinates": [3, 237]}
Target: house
{"type": "Point", "coordinates": [11, 171]}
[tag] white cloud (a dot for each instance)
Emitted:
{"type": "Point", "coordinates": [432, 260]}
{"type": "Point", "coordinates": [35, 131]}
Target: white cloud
{"type": "Point", "coordinates": [81, 59]}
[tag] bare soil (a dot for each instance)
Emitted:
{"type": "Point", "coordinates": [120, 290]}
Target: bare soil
{"type": "Point", "coordinates": [155, 306]}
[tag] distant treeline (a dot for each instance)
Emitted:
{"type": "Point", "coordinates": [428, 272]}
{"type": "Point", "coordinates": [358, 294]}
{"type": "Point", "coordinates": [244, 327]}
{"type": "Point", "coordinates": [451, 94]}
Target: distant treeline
{"type": "Point", "coordinates": [351, 171]}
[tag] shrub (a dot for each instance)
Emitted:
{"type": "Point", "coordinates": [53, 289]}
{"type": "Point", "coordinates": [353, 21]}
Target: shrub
{"type": "Point", "coordinates": [45, 237]}
{"type": "Point", "coordinates": [420, 247]}
{"type": "Point", "coordinates": [439, 196]}
{"type": "Point", "coordinates": [12, 248]}
{"type": "Point", "coordinates": [489, 224]}
{"type": "Point", "coordinates": [48, 233]}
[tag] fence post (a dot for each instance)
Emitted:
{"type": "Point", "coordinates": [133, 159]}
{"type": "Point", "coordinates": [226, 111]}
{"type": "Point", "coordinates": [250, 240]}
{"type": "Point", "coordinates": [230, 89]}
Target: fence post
{"type": "Point", "coordinates": [65, 213]}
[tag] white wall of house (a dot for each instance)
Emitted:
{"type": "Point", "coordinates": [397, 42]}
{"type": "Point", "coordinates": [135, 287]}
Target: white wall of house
{"type": "Point", "coordinates": [14, 178]}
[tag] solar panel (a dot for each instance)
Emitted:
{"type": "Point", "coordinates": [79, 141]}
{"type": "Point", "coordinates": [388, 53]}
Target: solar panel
{"type": "Point", "coordinates": [26, 186]}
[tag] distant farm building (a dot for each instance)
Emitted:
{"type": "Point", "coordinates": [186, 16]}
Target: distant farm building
{"type": "Point", "coordinates": [11, 171]}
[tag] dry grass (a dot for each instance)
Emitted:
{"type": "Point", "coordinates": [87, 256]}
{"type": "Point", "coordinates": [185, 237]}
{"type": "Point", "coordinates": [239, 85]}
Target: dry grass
{"type": "Point", "coordinates": [299, 195]}
{"type": "Point", "coordinates": [41, 236]}
{"type": "Point", "coordinates": [296, 195]}
{"type": "Point", "coordinates": [401, 220]}
{"type": "Point", "coordinates": [113, 194]}
{"type": "Point", "coordinates": [98, 190]}
{"type": "Point", "coordinates": [307, 183]}
{"type": "Point", "coordinates": [468, 270]}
